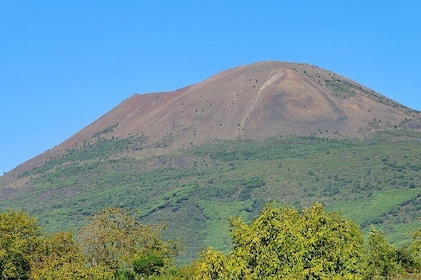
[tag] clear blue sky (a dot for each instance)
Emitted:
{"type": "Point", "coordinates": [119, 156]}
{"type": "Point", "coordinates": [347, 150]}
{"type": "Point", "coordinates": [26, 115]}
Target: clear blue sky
{"type": "Point", "coordinates": [65, 63]}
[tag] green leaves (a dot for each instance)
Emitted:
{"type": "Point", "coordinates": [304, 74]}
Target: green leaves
{"type": "Point", "coordinates": [114, 238]}
{"type": "Point", "coordinates": [19, 238]}
{"type": "Point", "coordinates": [59, 257]}
{"type": "Point", "coordinates": [108, 244]}
{"type": "Point", "coordinates": [283, 243]}
{"type": "Point", "coordinates": [381, 259]}
{"type": "Point", "coordinates": [149, 265]}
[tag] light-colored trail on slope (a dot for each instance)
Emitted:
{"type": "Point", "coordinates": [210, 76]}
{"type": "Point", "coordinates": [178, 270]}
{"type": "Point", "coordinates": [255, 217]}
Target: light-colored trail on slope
{"type": "Point", "coordinates": [252, 104]}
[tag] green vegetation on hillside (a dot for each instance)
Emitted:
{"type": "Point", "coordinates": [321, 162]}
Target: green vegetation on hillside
{"type": "Point", "coordinates": [371, 181]}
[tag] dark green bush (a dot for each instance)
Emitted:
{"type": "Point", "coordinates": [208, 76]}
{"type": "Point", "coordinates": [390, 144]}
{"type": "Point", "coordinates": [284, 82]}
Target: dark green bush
{"type": "Point", "coordinates": [149, 265]}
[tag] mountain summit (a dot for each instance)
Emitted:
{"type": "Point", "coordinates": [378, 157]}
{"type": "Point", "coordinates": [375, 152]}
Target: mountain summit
{"type": "Point", "coordinates": [255, 101]}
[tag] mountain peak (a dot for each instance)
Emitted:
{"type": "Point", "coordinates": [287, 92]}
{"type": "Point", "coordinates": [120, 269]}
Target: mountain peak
{"type": "Point", "coordinates": [255, 101]}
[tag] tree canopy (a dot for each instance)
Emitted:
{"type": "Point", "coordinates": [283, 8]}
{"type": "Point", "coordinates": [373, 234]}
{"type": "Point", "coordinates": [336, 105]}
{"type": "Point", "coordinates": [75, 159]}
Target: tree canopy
{"type": "Point", "coordinates": [114, 238]}
{"type": "Point", "coordinates": [281, 243]}
{"type": "Point", "coordinates": [19, 238]}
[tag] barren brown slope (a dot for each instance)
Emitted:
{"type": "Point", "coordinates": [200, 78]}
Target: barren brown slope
{"type": "Point", "coordinates": [254, 101]}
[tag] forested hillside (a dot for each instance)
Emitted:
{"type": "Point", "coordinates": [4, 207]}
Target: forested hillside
{"type": "Point", "coordinates": [371, 181]}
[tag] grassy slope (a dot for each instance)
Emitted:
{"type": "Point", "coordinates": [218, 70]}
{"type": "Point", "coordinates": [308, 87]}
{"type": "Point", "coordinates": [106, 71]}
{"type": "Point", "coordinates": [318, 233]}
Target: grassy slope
{"type": "Point", "coordinates": [375, 181]}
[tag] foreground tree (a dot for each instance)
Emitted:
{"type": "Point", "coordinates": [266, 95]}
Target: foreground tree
{"type": "Point", "coordinates": [285, 244]}
{"type": "Point", "coordinates": [60, 257]}
{"type": "Point", "coordinates": [416, 244]}
{"type": "Point", "coordinates": [116, 239]}
{"type": "Point", "coordinates": [381, 257]}
{"type": "Point", "coordinates": [281, 243]}
{"type": "Point", "coordinates": [20, 237]}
